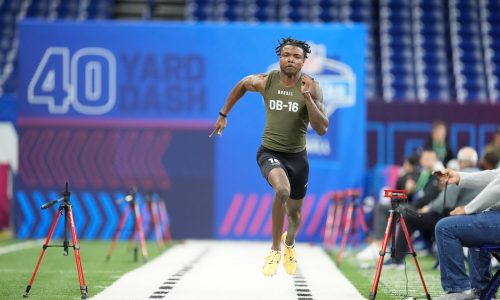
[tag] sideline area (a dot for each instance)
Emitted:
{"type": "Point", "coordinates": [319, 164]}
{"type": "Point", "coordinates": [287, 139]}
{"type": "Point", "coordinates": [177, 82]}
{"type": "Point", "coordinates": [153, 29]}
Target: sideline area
{"type": "Point", "coordinates": [229, 270]}
{"type": "Point", "coordinates": [20, 246]}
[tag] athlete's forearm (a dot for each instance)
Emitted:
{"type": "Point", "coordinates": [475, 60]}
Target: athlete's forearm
{"type": "Point", "coordinates": [236, 93]}
{"type": "Point", "coordinates": [317, 117]}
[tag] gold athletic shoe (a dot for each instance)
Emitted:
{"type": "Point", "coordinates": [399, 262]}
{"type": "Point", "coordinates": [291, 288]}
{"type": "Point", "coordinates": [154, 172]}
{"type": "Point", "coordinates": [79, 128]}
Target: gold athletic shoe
{"type": "Point", "coordinates": [271, 263]}
{"type": "Point", "coordinates": [289, 260]}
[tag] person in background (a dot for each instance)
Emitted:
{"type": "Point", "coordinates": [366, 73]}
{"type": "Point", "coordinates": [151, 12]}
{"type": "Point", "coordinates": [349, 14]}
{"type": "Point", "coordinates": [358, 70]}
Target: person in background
{"type": "Point", "coordinates": [473, 225]}
{"type": "Point", "coordinates": [490, 161]}
{"type": "Point", "coordinates": [410, 170]}
{"type": "Point", "coordinates": [438, 142]}
{"type": "Point", "coordinates": [426, 187]}
{"type": "Point", "coordinates": [491, 151]}
{"type": "Point", "coordinates": [439, 207]}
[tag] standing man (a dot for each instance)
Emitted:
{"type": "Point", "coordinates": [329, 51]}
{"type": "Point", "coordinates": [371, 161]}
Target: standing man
{"type": "Point", "coordinates": [292, 100]}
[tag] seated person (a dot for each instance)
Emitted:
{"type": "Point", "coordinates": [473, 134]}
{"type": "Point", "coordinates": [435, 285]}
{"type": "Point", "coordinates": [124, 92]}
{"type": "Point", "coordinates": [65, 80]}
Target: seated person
{"type": "Point", "coordinates": [473, 225]}
{"type": "Point", "coordinates": [440, 206]}
{"type": "Point", "coordinates": [409, 170]}
{"type": "Point", "coordinates": [490, 160]}
{"type": "Point", "coordinates": [422, 189]}
{"type": "Point", "coordinates": [426, 188]}
{"type": "Point", "coordinates": [493, 147]}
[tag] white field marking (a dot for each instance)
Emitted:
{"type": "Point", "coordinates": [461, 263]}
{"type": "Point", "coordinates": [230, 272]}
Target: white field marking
{"type": "Point", "coordinates": [232, 270]}
{"type": "Point", "coordinates": [143, 281]}
{"type": "Point", "coordinates": [20, 246]}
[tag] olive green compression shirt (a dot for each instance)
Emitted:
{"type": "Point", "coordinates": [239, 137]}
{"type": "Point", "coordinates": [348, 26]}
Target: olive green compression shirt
{"type": "Point", "coordinates": [286, 116]}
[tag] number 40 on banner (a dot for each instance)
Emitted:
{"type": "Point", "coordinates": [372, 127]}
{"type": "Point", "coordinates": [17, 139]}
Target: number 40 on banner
{"type": "Point", "coordinates": [85, 81]}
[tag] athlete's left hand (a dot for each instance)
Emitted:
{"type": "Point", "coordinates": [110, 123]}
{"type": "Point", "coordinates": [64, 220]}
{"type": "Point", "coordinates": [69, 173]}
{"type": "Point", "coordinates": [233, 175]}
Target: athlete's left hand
{"type": "Point", "coordinates": [307, 84]}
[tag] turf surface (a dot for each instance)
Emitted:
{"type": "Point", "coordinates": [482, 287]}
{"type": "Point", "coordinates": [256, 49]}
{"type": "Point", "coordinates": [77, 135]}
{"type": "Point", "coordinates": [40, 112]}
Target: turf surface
{"type": "Point", "coordinates": [57, 277]}
{"type": "Point", "coordinates": [394, 283]}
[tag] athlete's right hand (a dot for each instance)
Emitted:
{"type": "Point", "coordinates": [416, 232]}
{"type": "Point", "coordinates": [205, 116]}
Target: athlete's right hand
{"type": "Point", "coordinates": [448, 176]}
{"type": "Point", "coordinates": [219, 126]}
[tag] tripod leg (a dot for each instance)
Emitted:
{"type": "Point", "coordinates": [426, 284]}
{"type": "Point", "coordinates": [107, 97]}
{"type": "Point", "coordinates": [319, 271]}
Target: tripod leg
{"type": "Point", "coordinates": [378, 272]}
{"type": "Point", "coordinates": [336, 224]}
{"type": "Point", "coordinates": [347, 230]}
{"type": "Point", "coordinates": [412, 252]}
{"type": "Point", "coordinates": [164, 217]}
{"type": "Point", "coordinates": [328, 224]}
{"type": "Point", "coordinates": [330, 237]}
{"type": "Point", "coordinates": [117, 233]}
{"type": "Point", "coordinates": [44, 247]}
{"type": "Point", "coordinates": [76, 248]}
{"type": "Point", "coordinates": [138, 223]}
{"type": "Point", "coordinates": [361, 219]}
{"type": "Point", "coordinates": [156, 224]}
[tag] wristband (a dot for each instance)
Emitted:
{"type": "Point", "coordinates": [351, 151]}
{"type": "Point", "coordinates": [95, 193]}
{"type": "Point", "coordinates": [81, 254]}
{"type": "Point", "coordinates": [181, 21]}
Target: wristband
{"type": "Point", "coordinates": [222, 115]}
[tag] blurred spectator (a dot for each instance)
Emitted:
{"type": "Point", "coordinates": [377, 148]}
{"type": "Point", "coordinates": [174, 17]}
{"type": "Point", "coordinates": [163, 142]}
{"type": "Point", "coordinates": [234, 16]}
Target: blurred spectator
{"type": "Point", "coordinates": [409, 171]}
{"type": "Point", "coordinates": [490, 160]}
{"type": "Point", "coordinates": [422, 189]}
{"type": "Point", "coordinates": [439, 207]}
{"type": "Point", "coordinates": [493, 147]}
{"type": "Point", "coordinates": [426, 187]}
{"type": "Point", "coordinates": [438, 142]}
{"type": "Point", "coordinates": [453, 164]}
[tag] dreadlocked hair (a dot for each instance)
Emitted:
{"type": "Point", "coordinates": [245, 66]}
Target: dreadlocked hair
{"type": "Point", "coordinates": [291, 41]}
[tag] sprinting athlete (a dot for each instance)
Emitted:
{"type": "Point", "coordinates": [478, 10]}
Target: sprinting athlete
{"type": "Point", "coordinates": [292, 100]}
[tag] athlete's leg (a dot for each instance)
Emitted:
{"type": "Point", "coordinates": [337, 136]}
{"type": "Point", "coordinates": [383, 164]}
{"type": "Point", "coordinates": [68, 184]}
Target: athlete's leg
{"type": "Point", "coordinates": [294, 212]}
{"type": "Point", "coordinates": [281, 186]}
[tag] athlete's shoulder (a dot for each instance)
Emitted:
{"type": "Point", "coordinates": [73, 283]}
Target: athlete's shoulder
{"type": "Point", "coordinates": [255, 82]}
{"type": "Point", "coordinates": [273, 72]}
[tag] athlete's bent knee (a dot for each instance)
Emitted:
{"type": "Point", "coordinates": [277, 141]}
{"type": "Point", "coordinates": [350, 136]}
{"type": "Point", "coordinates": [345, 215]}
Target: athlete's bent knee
{"type": "Point", "coordinates": [282, 193]}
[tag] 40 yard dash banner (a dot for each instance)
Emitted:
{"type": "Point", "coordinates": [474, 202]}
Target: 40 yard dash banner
{"type": "Point", "coordinates": [108, 106]}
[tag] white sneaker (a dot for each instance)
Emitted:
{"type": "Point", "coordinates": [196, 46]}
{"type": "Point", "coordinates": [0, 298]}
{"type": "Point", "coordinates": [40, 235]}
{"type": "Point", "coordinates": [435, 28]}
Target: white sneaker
{"type": "Point", "coordinates": [465, 295]}
{"type": "Point", "coordinates": [369, 253]}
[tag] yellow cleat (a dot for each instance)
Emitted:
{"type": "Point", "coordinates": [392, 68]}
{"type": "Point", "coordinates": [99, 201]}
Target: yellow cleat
{"type": "Point", "coordinates": [289, 260]}
{"type": "Point", "coordinates": [271, 263]}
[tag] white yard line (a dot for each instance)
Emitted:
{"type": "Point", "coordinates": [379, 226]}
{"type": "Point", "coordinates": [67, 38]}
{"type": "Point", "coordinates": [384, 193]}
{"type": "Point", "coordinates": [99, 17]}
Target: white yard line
{"type": "Point", "coordinates": [231, 270]}
{"type": "Point", "coordinates": [20, 246]}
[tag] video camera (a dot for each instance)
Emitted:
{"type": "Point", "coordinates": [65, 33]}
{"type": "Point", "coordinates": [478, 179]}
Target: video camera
{"type": "Point", "coordinates": [397, 197]}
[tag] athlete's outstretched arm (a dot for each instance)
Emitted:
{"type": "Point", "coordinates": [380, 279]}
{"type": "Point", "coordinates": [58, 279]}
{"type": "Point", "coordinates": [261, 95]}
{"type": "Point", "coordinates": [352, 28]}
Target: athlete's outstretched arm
{"type": "Point", "coordinates": [251, 83]}
{"type": "Point", "coordinates": [314, 102]}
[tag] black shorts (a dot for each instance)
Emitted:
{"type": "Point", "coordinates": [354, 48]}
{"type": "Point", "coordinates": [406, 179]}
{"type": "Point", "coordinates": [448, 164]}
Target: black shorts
{"type": "Point", "coordinates": [296, 166]}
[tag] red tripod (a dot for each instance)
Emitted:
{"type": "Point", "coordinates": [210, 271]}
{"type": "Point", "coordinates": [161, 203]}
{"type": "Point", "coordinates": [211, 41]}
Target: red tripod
{"type": "Point", "coordinates": [354, 210]}
{"type": "Point", "coordinates": [153, 211]}
{"type": "Point", "coordinates": [330, 217]}
{"type": "Point", "coordinates": [68, 214]}
{"type": "Point", "coordinates": [165, 220]}
{"type": "Point", "coordinates": [395, 216]}
{"type": "Point", "coordinates": [333, 221]}
{"type": "Point", "coordinates": [137, 231]}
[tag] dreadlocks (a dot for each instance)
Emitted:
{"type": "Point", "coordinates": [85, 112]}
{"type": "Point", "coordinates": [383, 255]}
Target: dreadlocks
{"type": "Point", "coordinates": [290, 41]}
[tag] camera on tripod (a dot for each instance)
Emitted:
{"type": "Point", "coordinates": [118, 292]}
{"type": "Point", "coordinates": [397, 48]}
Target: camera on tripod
{"type": "Point", "coordinates": [396, 216]}
{"type": "Point", "coordinates": [397, 197]}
